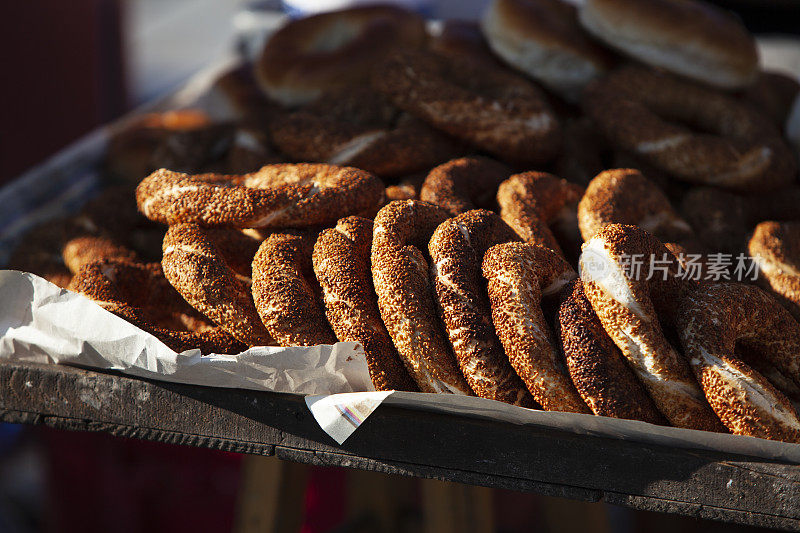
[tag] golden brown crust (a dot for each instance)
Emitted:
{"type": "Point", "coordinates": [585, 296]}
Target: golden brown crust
{"type": "Point", "coordinates": [519, 274]}
{"type": "Point", "coordinates": [81, 250]}
{"type": "Point", "coordinates": [339, 48]}
{"type": "Point", "coordinates": [463, 184]}
{"type": "Point", "coordinates": [630, 307]}
{"type": "Point", "coordinates": [600, 374]}
{"type": "Point", "coordinates": [401, 278]}
{"type": "Point", "coordinates": [711, 320]}
{"type": "Point", "coordinates": [543, 39]}
{"type": "Point", "coordinates": [342, 265]}
{"type": "Point", "coordinates": [625, 196]}
{"type": "Point", "coordinates": [140, 294]}
{"type": "Point", "coordinates": [194, 265]}
{"type": "Point", "coordinates": [744, 153]}
{"type": "Point", "coordinates": [457, 248]}
{"type": "Point", "coordinates": [530, 202]}
{"type": "Point", "coordinates": [276, 196]}
{"type": "Point", "coordinates": [487, 107]}
{"type": "Point", "coordinates": [775, 247]}
{"type": "Point", "coordinates": [691, 38]}
{"type": "Point", "coordinates": [357, 127]}
{"type": "Point", "coordinates": [286, 301]}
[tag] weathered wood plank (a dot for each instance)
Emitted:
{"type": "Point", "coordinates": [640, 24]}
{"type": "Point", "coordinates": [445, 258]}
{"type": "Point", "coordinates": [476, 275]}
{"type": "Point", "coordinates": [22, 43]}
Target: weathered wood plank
{"type": "Point", "coordinates": [467, 450]}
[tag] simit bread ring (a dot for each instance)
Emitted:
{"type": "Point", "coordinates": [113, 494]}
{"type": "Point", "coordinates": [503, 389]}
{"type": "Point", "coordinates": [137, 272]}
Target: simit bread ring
{"type": "Point", "coordinates": [711, 320]}
{"type": "Point", "coordinates": [487, 107]}
{"type": "Point", "coordinates": [598, 370]}
{"type": "Point", "coordinates": [457, 248]}
{"type": "Point", "coordinates": [282, 291]}
{"type": "Point", "coordinates": [85, 249]}
{"type": "Point", "coordinates": [357, 127]}
{"type": "Point", "coordinates": [519, 275]}
{"type": "Point", "coordinates": [694, 39]}
{"type": "Point", "coordinates": [625, 196]}
{"type": "Point", "coordinates": [463, 184]}
{"type": "Point", "coordinates": [401, 278]}
{"type": "Point", "coordinates": [194, 265]}
{"type": "Point", "coordinates": [629, 306]}
{"type": "Point", "coordinates": [530, 202]}
{"type": "Point", "coordinates": [341, 264]}
{"type": "Point", "coordinates": [775, 248]}
{"type": "Point", "coordinates": [275, 196]}
{"type": "Point", "coordinates": [643, 112]}
{"type": "Point", "coordinates": [139, 293]}
{"type": "Point", "coordinates": [543, 39]}
{"type": "Point", "coordinates": [333, 49]}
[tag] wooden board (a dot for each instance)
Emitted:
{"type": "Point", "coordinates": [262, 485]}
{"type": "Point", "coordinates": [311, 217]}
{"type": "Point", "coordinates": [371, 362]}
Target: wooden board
{"type": "Point", "coordinates": [412, 443]}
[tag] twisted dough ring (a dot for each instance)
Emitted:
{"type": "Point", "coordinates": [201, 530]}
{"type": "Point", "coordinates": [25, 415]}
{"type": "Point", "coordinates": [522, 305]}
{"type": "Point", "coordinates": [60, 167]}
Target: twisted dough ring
{"type": "Point", "coordinates": [775, 247]}
{"type": "Point", "coordinates": [275, 196]}
{"type": "Point", "coordinates": [333, 49]}
{"type": "Point", "coordinates": [463, 184]}
{"type": "Point", "coordinates": [487, 107]}
{"type": "Point", "coordinates": [400, 274]}
{"type": "Point", "coordinates": [357, 127]}
{"type": "Point", "coordinates": [530, 202]}
{"type": "Point", "coordinates": [283, 293]}
{"type": "Point", "coordinates": [195, 266]}
{"type": "Point", "coordinates": [746, 153]}
{"type": "Point", "coordinates": [629, 307]}
{"type": "Point", "coordinates": [519, 274]}
{"type": "Point", "coordinates": [602, 377]}
{"type": "Point", "coordinates": [625, 196]}
{"type": "Point", "coordinates": [140, 294]}
{"type": "Point", "coordinates": [457, 248]}
{"type": "Point", "coordinates": [341, 264]}
{"type": "Point", "coordinates": [711, 320]}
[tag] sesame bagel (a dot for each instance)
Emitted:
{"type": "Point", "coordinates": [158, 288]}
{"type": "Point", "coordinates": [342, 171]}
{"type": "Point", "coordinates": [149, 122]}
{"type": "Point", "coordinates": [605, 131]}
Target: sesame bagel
{"type": "Point", "coordinates": [194, 265]}
{"type": "Point", "coordinates": [276, 196]}
{"type": "Point", "coordinates": [630, 307]}
{"type": "Point", "coordinates": [457, 248]}
{"type": "Point", "coordinates": [688, 37]}
{"type": "Point", "coordinates": [533, 201]}
{"type": "Point", "coordinates": [339, 48]}
{"type": "Point", "coordinates": [711, 320]}
{"type": "Point", "coordinates": [519, 275]}
{"type": "Point", "coordinates": [625, 196]}
{"type": "Point", "coordinates": [600, 374]}
{"type": "Point", "coordinates": [400, 274]}
{"type": "Point", "coordinates": [542, 38]}
{"type": "Point", "coordinates": [463, 184]}
{"type": "Point", "coordinates": [342, 266]}
{"type": "Point", "coordinates": [140, 294]}
{"type": "Point", "coordinates": [489, 108]}
{"type": "Point", "coordinates": [645, 112]}
{"type": "Point", "coordinates": [357, 127]}
{"type": "Point", "coordinates": [284, 293]}
{"type": "Point", "coordinates": [775, 247]}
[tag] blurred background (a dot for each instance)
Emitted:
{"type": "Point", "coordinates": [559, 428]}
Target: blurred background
{"type": "Point", "coordinates": [73, 66]}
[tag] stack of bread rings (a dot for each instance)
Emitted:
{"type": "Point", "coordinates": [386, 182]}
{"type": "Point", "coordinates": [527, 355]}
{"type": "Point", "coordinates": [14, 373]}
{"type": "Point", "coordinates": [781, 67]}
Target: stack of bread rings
{"type": "Point", "coordinates": [465, 206]}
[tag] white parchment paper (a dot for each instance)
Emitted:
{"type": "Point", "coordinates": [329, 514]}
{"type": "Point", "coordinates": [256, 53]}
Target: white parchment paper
{"type": "Point", "coordinates": [42, 323]}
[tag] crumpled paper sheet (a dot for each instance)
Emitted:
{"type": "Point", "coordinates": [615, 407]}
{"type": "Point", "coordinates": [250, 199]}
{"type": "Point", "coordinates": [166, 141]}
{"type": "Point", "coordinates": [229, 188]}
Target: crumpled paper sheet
{"type": "Point", "coordinates": [42, 323]}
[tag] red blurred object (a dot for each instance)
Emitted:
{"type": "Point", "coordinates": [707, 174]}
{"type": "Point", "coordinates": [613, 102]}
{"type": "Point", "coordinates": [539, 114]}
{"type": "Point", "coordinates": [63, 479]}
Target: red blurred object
{"type": "Point", "coordinates": [62, 76]}
{"type": "Point", "coordinates": [98, 483]}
